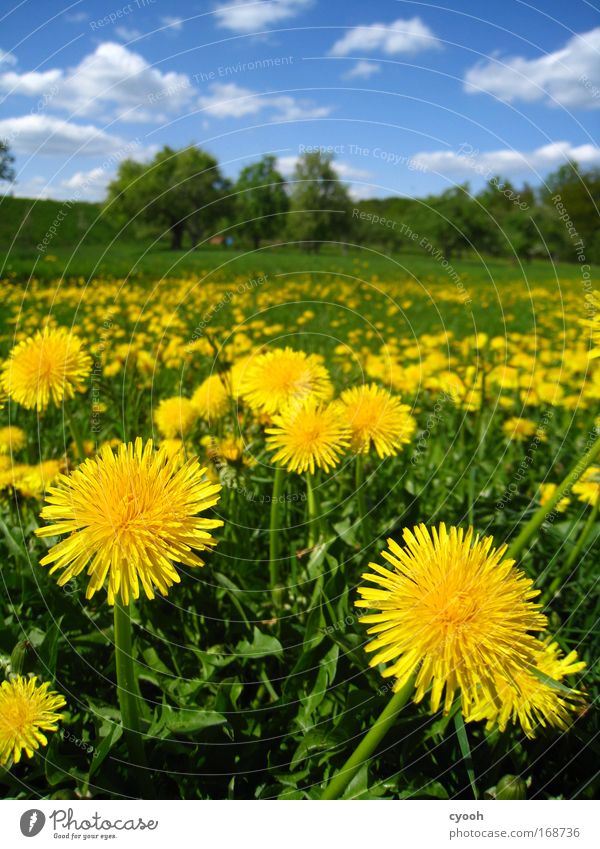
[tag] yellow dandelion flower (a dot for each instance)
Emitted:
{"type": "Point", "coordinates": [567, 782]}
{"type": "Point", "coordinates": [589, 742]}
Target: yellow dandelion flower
{"type": "Point", "coordinates": [274, 380]}
{"type": "Point", "coordinates": [27, 709]}
{"type": "Point", "coordinates": [211, 399]}
{"type": "Point", "coordinates": [587, 488]}
{"type": "Point", "coordinates": [175, 417]}
{"type": "Point", "coordinates": [129, 357]}
{"type": "Point", "coordinates": [145, 363]}
{"type": "Point", "coordinates": [236, 376]}
{"type": "Point", "coordinates": [129, 516]}
{"type": "Point", "coordinates": [505, 377]}
{"type": "Point", "coordinates": [377, 419]}
{"type": "Point", "coordinates": [519, 430]}
{"type": "Point", "coordinates": [11, 473]}
{"type": "Point", "coordinates": [33, 481]}
{"type": "Point", "coordinates": [451, 611]}
{"type": "Point", "coordinates": [174, 448]}
{"type": "Point", "coordinates": [309, 435]}
{"type": "Point", "coordinates": [593, 308]}
{"type": "Point", "coordinates": [547, 490]}
{"type": "Point", "coordinates": [48, 367]}
{"type": "Point", "coordinates": [533, 699]}
{"type": "Point", "coordinates": [229, 449]}
{"type": "Point", "coordinates": [12, 439]}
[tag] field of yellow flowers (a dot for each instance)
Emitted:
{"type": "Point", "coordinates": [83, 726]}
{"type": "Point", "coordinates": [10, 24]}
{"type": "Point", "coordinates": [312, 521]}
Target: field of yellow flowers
{"type": "Point", "coordinates": [299, 536]}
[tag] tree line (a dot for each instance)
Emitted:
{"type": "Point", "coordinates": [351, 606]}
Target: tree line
{"type": "Point", "coordinates": [184, 193]}
{"type": "Point", "coordinates": [184, 196]}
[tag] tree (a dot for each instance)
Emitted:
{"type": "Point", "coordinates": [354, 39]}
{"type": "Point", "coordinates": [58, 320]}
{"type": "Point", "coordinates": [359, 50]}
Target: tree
{"type": "Point", "coordinates": [7, 172]}
{"type": "Point", "coordinates": [379, 222]}
{"type": "Point", "coordinates": [458, 222]}
{"type": "Point", "coordinates": [261, 200]}
{"type": "Point", "coordinates": [179, 190]}
{"type": "Point", "coordinates": [508, 227]}
{"type": "Point", "coordinates": [574, 195]}
{"type": "Point", "coordinates": [320, 203]}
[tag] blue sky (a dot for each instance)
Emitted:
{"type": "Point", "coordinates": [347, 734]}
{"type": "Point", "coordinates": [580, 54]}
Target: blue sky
{"type": "Point", "coordinates": [411, 97]}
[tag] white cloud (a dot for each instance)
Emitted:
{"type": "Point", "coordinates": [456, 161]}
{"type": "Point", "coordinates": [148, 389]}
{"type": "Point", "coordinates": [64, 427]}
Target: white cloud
{"type": "Point", "coordinates": [81, 179]}
{"type": "Point", "coordinates": [86, 185]}
{"type": "Point", "coordinates": [111, 76]}
{"type": "Point", "coordinates": [172, 22]}
{"type": "Point", "coordinates": [569, 76]}
{"type": "Point", "coordinates": [286, 165]}
{"type": "Point", "coordinates": [290, 109]}
{"type": "Point", "coordinates": [34, 187]}
{"type": "Point", "coordinates": [506, 163]}
{"type": "Point", "coordinates": [44, 134]}
{"type": "Point", "coordinates": [253, 16]}
{"type": "Point", "coordinates": [83, 185]}
{"type": "Point", "coordinates": [7, 58]}
{"type": "Point", "coordinates": [115, 82]}
{"type": "Point", "coordinates": [30, 84]}
{"type": "Point", "coordinates": [362, 70]}
{"type": "Point", "coordinates": [358, 192]}
{"type": "Point", "coordinates": [349, 172]}
{"type": "Point", "coordinates": [402, 36]}
{"type": "Point", "coordinates": [127, 33]}
{"type": "Point", "coordinates": [89, 185]}
{"type": "Point", "coordinates": [228, 100]}
{"type": "Point", "coordinates": [76, 17]}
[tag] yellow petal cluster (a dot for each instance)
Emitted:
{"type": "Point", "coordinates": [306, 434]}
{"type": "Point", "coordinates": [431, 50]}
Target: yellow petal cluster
{"type": "Point", "coordinates": [128, 518]}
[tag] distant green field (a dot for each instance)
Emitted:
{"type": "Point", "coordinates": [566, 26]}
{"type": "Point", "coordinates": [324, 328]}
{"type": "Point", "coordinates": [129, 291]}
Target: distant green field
{"type": "Point", "coordinates": [24, 222]}
{"type": "Point", "coordinates": [142, 261]}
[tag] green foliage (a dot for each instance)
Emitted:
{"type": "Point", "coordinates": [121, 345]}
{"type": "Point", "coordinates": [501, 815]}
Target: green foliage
{"type": "Point", "coordinates": [261, 201]}
{"type": "Point", "coordinates": [500, 220]}
{"type": "Point", "coordinates": [580, 194]}
{"type": "Point", "coordinates": [25, 222]}
{"type": "Point", "coordinates": [320, 203]}
{"type": "Point", "coordinates": [7, 172]}
{"type": "Point", "coordinates": [180, 192]}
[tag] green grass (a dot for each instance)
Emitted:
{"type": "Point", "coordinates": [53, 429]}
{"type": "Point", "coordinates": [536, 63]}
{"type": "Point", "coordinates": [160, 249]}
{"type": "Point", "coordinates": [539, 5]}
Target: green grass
{"type": "Point", "coordinates": [24, 223]}
{"type": "Point", "coordinates": [144, 261]}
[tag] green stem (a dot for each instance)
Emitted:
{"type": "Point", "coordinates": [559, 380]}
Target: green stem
{"type": "Point", "coordinates": [479, 432]}
{"type": "Point", "coordinates": [564, 572]}
{"type": "Point", "coordinates": [13, 545]}
{"type": "Point", "coordinates": [465, 750]}
{"type": "Point", "coordinates": [370, 741]}
{"type": "Point", "coordinates": [538, 517]}
{"type": "Point", "coordinates": [274, 529]}
{"type": "Point", "coordinates": [359, 485]}
{"type": "Point", "coordinates": [126, 683]}
{"type": "Point", "coordinates": [549, 567]}
{"type": "Point", "coordinates": [76, 436]}
{"type": "Point", "coordinates": [471, 493]}
{"type": "Point", "coordinates": [313, 511]}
